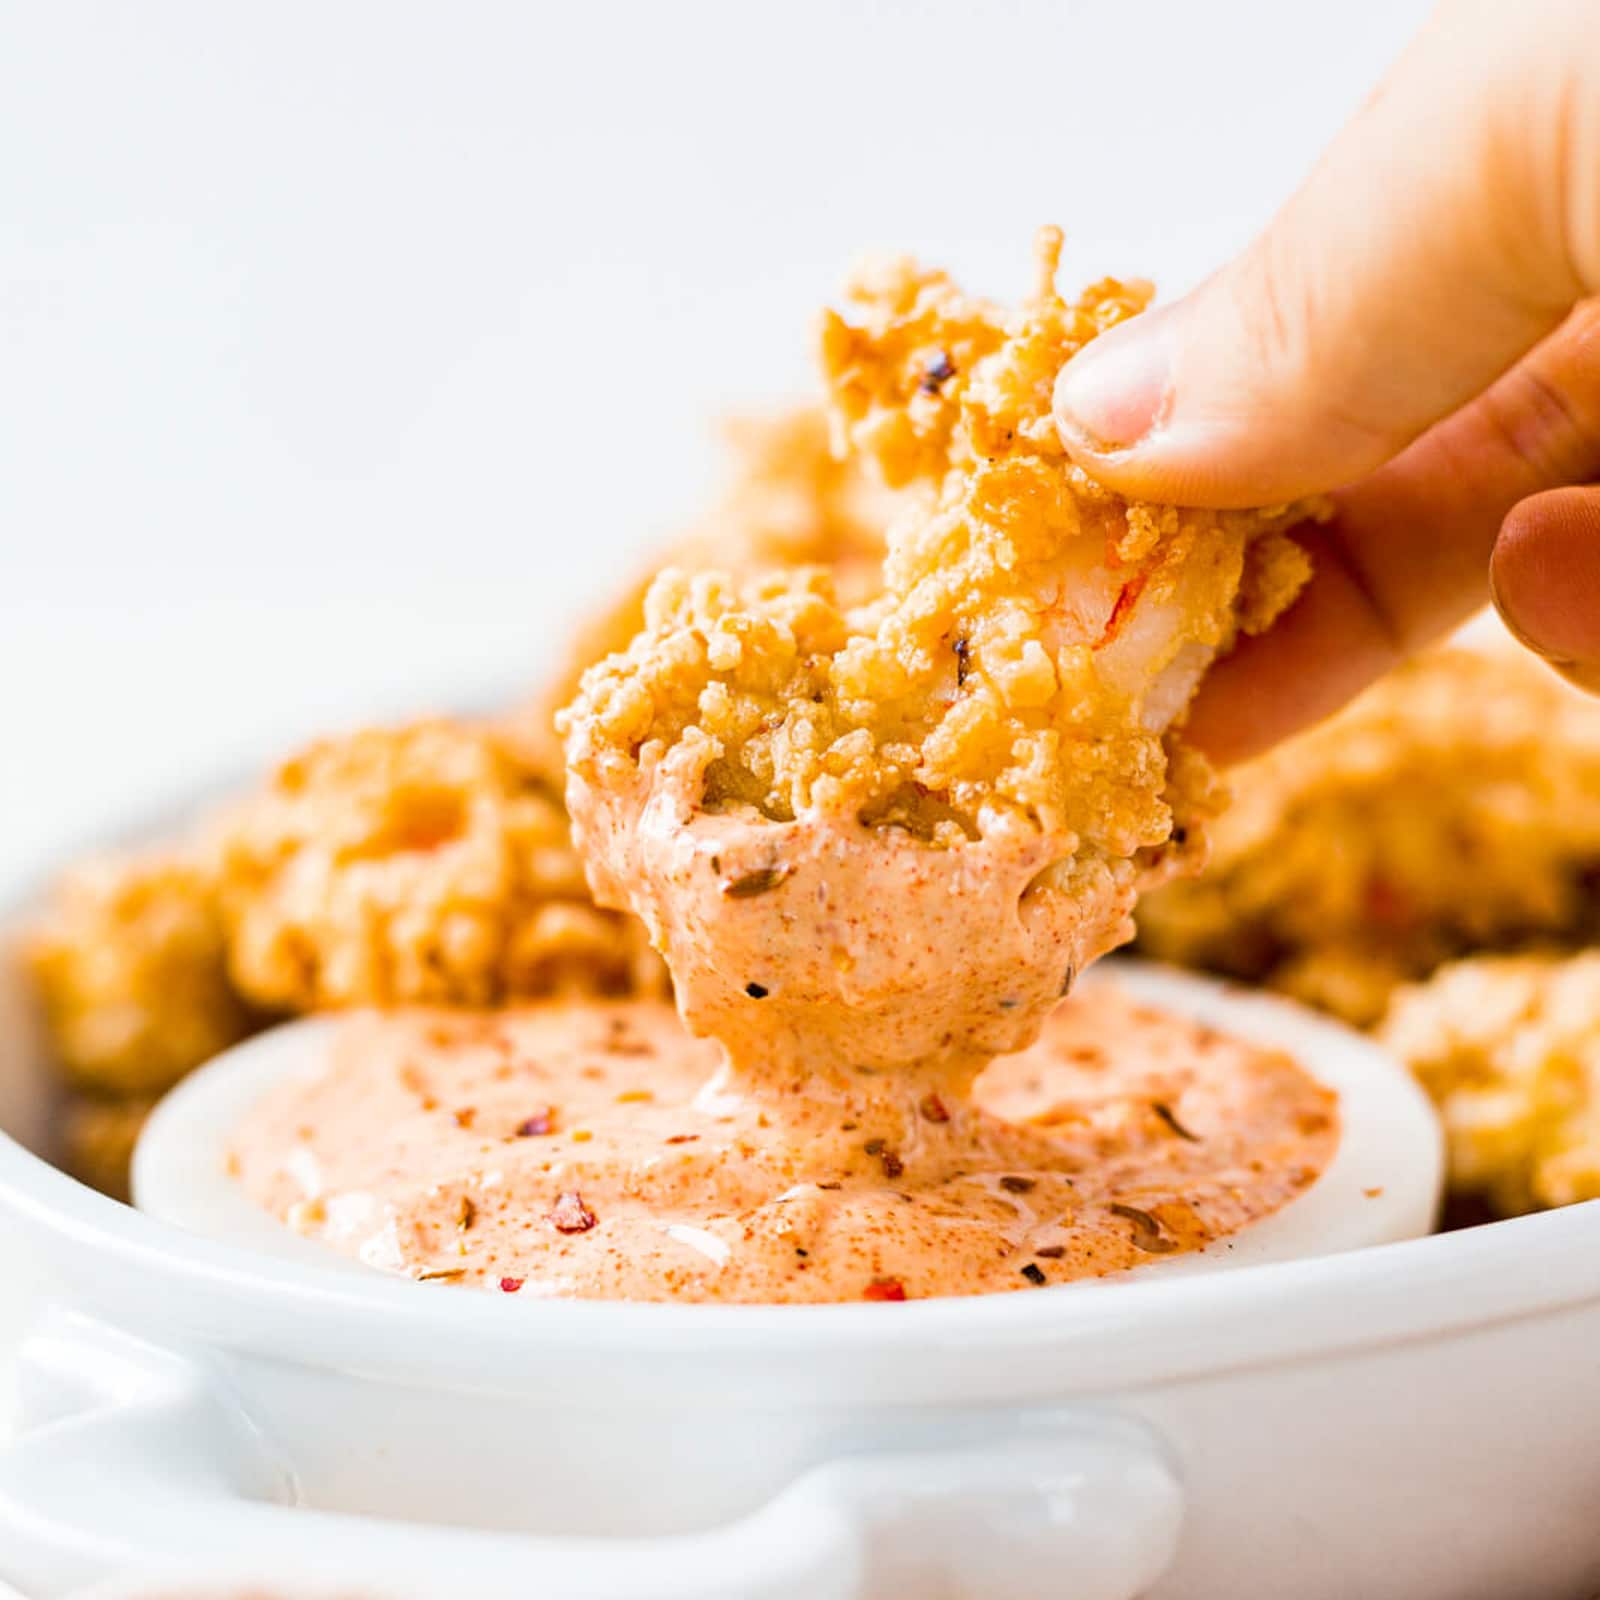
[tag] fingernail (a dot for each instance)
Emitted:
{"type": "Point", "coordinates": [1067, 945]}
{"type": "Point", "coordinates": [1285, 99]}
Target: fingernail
{"type": "Point", "coordinates": [1115, 391]}
{"type": "Point", "coordinates": [1580, 674]}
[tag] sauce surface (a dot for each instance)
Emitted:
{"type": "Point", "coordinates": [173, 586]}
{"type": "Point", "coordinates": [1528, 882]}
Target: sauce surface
{"type": "Point", "coordinates": [598, 1150]}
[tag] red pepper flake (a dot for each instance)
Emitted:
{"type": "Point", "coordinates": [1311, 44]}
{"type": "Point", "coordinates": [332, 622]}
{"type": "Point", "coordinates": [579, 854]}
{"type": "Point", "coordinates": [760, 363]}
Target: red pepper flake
{"type": "Point", "coordinates": [893, 1166]}
{"type": "Point", "coordinates": [681, 1138]}
{"type": "Point", "coordinates": [570, 1214]}
{"type": "Point", "coordinates": [511, 1285]}
{"type": "Point", "coordinates": [933, 1109]}
{"type": "Point", "coordinates": [1016, 1185]}
{"type": "Point", "coordinates": [1125, 600]}
{"type": "Point", "coordinates": [884, 1289]}
{"type": "Point", "coordinates": [830, 1186]}
{"type": "Point", "coordinates": [541, 1122]}
{"type": "Point", "coordinates": [466, 1116]}
{"type": "Point", "coordinates": [1387, 904]}
{"type": "Point", "coordinates": [1051, 1252]}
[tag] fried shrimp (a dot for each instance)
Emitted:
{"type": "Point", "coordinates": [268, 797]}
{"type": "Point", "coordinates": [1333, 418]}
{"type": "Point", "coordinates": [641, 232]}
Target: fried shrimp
{"type": "Point", "coordinates": [1454, 806]}
{"type": "Point", "coordinates": [904, 826]}
{"type": "Point", "coordinates": [129, 965]}
{"type": "Point", "coordinates": [426, 862]}
{"type": "Point", "coordinates": [1509, 1049]}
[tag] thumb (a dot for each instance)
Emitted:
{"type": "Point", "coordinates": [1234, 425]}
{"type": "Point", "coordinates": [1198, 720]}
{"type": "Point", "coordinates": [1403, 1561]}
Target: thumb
{"type": "Point", "coordinates": [1447, 230]}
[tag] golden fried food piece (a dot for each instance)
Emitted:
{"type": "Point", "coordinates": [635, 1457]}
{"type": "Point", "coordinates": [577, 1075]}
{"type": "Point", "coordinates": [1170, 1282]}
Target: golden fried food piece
{"type": "Point", "coordinates": [421, 863]}
{"type": "Point", "coordinates": [128, 961]}
{"type": "Point", "coordinates": [996, 721]}
{"type": "Point", "coordinates": [1509, 1049]}
{"type": "Point", "coordinates": [97, 1140]}
{"type": "Point", "coordinates": [1455, 805]}
{"type": "Point", "coordinates": [791, 502]}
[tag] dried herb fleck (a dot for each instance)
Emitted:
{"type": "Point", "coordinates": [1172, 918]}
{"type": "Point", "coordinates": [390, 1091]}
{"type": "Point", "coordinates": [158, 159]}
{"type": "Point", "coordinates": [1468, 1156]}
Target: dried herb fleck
{"type": "Point", "coordinates": [757, 991]}
{"type": "Point", "coordinates": [938, 372]}
{"type": "Point", "coordinates": [963, 660]}
{"type": "Point", "coordinates": [1034, 1273]}
{"type": "Point", "coordinates": [933, 1108]}
{"type": "Point", "coordinates": [570, 1214]}
{"type": "Point", "coordinates": [441, 1274]}
{"type": "Point", "coordinates": [1051, 1252]}
{"type": "Point", "coordinates": [1070, 978]}
{"type": "Point", "coordinates": [541, 1122]}
{"type": "Point", "coordinates": [1013, 1185]}
{"type": "Point", "coordinates": [893, 1166]}
{"type": "Point", "coordinates": [1170, 1117]}
{"type": "Point", "coordinates": [1147, 1234]}
{"type": "Point", "coordinates": [748, 885]}
{"type": "Point", "coordinates": [467, 1213]}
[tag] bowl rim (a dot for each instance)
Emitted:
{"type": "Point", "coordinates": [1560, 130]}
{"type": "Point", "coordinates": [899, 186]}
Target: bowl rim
{"type": "Point", "coordinates": [106, 1257]}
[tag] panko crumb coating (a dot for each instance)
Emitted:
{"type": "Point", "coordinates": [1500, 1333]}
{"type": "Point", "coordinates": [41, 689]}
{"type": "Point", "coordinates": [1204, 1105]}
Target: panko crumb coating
{"type": "Point", "coordinates": [1036, 639]}
{"type": "Point", "coordinates": [425, 863]}
{"type": "Point", "coordinates": [129, 964]}
{"type": "Point", "coordinates": [1455, 806]}
{"type": "Point", "coordinates": [1509, 1049]}
{"type": "Point", "coordinates": [791, 501]}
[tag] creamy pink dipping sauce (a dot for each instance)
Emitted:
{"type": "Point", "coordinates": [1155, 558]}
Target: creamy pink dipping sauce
{"type": "Point", "coordinates": [597, 1150]}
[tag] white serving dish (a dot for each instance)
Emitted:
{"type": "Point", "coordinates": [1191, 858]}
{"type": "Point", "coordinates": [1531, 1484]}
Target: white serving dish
{"type": "Point", "coordinates": [1415, 1421]}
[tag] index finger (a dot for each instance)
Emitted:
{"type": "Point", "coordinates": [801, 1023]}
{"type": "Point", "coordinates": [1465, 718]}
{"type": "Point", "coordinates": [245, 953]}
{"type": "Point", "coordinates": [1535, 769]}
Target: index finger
{"type": "Point", "coordinates": [1406, 556]}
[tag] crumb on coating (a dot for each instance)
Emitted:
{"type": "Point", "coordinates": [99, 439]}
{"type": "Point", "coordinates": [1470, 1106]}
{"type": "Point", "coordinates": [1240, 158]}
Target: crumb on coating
{"type": "Point", "coordinates": [421, 863]}
{"type": "Point", "coordinates": [1509, 1049]}
{"type": "Point", "coordinates": [98, 1138]}
{"type": "Point", "coordinates": [1452, 807]}
{"type": "Point", "coordinates": [1037, 633]}
{"type": "Point", "coordinates": [128, 962]}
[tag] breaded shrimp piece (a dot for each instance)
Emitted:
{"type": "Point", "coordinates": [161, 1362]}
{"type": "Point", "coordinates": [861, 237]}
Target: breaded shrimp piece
{"type": "Point", "coordinates": [1455, 805]}
{"type": "Point", "coordinates": [129, 965]}
{"type": "Point", "coordinates": [1509, 1049]}
{"type": "Point", "coordinates": [903, 827]}
{"type": "Point", "coordinates": [421, 863]}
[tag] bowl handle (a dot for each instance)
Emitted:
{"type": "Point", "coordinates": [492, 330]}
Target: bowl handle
{"type": "Point", "coordinates": [133, 1460]}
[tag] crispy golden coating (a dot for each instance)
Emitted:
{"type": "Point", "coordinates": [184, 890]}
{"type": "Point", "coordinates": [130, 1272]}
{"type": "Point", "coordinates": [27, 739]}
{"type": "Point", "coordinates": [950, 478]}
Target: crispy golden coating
{"type": "Point", "coordinates": [790, 502]}
{"type": "Point", "coordinates": [130, 968]}
{"type": "Point", "coordinates": [1509, 1049]}
{"type": "Point", "coordinates": [1454, 806]}
{"type": "Point", "coordinates": [1037, 636]}
{"type": "Point", "coordinates": [421, 863]}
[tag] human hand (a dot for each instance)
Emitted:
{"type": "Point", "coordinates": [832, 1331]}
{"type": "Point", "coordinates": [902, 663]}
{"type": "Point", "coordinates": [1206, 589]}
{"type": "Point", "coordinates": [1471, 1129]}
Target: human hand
{"type": "Point", "coordinates": [1414, 332]}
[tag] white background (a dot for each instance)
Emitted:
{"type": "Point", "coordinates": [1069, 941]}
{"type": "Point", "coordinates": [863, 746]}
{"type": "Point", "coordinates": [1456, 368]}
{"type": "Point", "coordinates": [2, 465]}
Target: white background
{"type": "Point", "coordinates": [345, 349]}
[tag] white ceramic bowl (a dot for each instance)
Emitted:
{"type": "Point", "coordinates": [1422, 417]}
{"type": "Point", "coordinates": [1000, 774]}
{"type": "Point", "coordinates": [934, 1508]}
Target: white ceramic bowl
{"type": "Point", "coordinates": [1410, 1421]}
